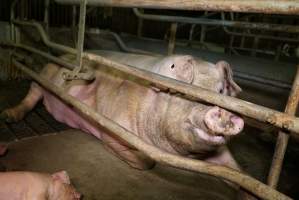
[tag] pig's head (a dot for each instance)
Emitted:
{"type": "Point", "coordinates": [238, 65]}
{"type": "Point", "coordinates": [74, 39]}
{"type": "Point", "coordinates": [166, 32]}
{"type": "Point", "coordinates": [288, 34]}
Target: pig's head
{"type": "Point", "coordinates": [196, 128]}
{"type": "Point", "coordinates": [215, 77]}
{"type": "Point", "coordinates": [61, 188]}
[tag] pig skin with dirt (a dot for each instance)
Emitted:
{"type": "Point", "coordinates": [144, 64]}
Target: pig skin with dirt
{"type": "Point", "coordinates": [36, 186]}
{"type": "Point", "coordinates": [167, 121]}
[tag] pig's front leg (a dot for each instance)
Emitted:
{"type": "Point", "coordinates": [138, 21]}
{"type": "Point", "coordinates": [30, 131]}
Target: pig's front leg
{"type": "Point", "coordinates": [132, 157]}
{"type": "Point", "coordinates": [225, 158]}
{"type": "Point", "coordinates": [17, 112]}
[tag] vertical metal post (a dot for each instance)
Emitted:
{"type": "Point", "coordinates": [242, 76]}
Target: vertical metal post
{"type": "Point", "coordinates": [140, 25]}
{"type": "Point", "coordinates": [282, 140]}
{"type": "Point", "coordinates": [171, 44]}
{"type": "Point", "coordinates": [80, 43]}
{"type": "Point", "coordinates": [74, 15]}
{"type": "Point", "coordinates": [46, 15]}
{"type": "Point", "coordinates": [77, 72]}
{"type": "Point", "coordinates": [12, 16]}
{"type": "Point", "coordinates": [255, 46]}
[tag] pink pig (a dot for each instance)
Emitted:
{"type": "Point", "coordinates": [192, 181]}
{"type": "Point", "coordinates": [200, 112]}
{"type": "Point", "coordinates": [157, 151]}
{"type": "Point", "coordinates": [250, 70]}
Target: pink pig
{"type": "Point", "coordinates": [36, 186]}
{"type": "Point", "coordinates": [169, 122]}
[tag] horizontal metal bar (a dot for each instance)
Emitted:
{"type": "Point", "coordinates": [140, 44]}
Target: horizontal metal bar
{"type": "Point", "coordinates": [216, 22]}
{"type": "Point", "coordinates": [287, 7]}
{"type": "Point", "coordinates": [45, 37]}
{"type": "Point", "coordinates": [261, 113]}
{"type": "Point", "coordinates": [252, 185]}
{"type": "Point", "coordinates": [120, 42]}
{"type": "Point", "coordinates": [262, 80]}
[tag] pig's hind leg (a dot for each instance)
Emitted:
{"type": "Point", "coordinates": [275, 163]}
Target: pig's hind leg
{"type": "Point", "coordinates": [132, 157]}
{"type": "Point", "coordinates": [17, 112]}
{"type": "Point", "coordinates": [34, 94]}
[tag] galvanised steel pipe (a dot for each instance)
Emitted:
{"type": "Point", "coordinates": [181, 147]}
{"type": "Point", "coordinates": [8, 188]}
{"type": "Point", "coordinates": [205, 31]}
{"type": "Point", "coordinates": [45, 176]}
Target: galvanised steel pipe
{"type": "Point", "coordinates": [288, 7]}
{"type": "Point", "coordinates": [260, 113]}
{"type": "Point", "coordinates": [252, 185]}
{"type": "Point", "coordinates": [217, 22]}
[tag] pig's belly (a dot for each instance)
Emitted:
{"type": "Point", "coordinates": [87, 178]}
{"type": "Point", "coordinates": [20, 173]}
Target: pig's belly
{"type": "Point", "coordinates": [65, 114]}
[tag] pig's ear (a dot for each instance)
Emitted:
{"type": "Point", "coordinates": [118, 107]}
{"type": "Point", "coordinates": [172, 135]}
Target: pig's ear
{"type": "Point", "coordinates": [184, 69]}
{"type": "Point", "coordinates": [61, 176]}
{"type": "Point", "coordinates": [232, 89]}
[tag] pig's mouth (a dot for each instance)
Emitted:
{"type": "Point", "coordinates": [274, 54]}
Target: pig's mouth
{"type": "Point", "coordinates": [218, 126]}
{"type": "Point", "coordinates": [210, 139]}
{"type": "Point", "coordinates": [221, 122]}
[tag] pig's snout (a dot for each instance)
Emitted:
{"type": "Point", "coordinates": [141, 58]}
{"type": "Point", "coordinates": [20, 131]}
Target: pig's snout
{"type": "Point", "coordinates": [222, 122]}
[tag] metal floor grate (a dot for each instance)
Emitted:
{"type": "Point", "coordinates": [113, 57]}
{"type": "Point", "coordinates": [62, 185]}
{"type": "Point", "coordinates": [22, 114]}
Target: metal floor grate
{"type": "Point", "coordinates": [38, 122]}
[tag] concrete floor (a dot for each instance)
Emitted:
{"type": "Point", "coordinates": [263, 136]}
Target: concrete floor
{"type": "Point", "coordinates": [98, 174]}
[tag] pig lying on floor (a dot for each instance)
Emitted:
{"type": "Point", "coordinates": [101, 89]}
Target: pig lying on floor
{"type": "Point", "coordinates": [36, 186]}
{"type": "Point", "coordinates": [169, 122]}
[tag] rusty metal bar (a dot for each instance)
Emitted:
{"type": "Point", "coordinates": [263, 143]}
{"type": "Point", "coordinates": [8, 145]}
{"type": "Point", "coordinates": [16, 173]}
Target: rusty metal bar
{"type": "Point", "coordinates": [260, 113]}
{"type": "Point", "coordinates": [45, 37]}
{"type": "Point", "coordinates": [77, 73]}
{"type": "Point", "coordinates": [287, 7]}
{"type": "Point", "coordinates": [54, 59]}
{"type": "Point", "coordinates": [70, 66]}
{"type": "Point", "coordinates": [283, 138]}
{"type": "Point", "coordinates": [80, 44]}
{"type": "Point", "coordinates": [172, 36]}
{"type": "Point", "coordinates": [252, 185]}
{"type": "Point", "coordinates": [216, 22]}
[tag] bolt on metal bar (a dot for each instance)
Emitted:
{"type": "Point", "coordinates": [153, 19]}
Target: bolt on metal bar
{"type": "Point", "coordinates": [216, 22]}
{"type": "Point", "coordinates": [252, 185]}
{"type": "Point", "coordinates": [287, 7]}
{"type": "Point", "coordinates": [283, 138]}
{"type": "Point", "coordinates": [260, 113]}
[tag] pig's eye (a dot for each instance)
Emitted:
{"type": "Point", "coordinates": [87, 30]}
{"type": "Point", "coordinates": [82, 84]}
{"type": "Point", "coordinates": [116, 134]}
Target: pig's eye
{"type": "Point", "coordinates": [221, 91]}
{"type": "Point", "coordinates": [172, 66]}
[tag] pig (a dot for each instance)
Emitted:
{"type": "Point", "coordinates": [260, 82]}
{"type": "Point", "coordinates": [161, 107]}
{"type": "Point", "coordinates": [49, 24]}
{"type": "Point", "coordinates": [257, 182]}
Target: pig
{"type": "Point", "coordinates": [167, 121]}
{"type": "Point", "coordinates": [36, 186]}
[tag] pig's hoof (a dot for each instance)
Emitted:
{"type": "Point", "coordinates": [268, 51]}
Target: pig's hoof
{"type": "Point", "coordinates": [4, 116]}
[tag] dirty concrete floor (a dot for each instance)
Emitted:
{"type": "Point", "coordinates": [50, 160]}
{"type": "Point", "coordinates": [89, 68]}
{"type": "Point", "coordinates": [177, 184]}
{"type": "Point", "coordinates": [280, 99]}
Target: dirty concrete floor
{"type": "Point", "coordinates": [99, 175]}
